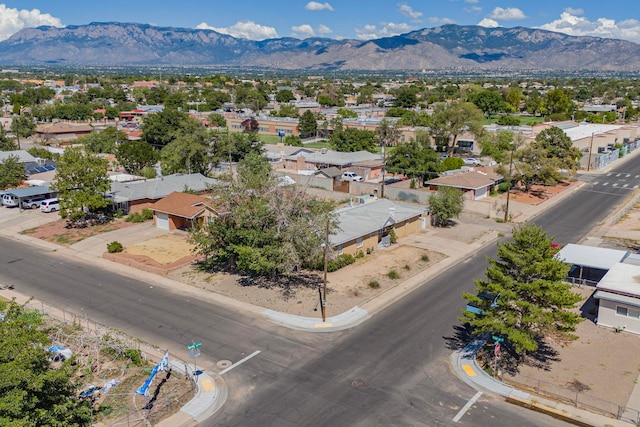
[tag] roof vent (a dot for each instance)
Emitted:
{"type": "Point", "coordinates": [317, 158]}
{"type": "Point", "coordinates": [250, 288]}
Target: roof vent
{"type": "Point", "coordinates": [323, 151]}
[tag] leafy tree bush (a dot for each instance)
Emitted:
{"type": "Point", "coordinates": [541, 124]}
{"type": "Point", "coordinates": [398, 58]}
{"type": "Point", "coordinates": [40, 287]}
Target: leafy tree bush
{"type": "Point", "coordinates": [31, 393]}
{"type": "Point", "coordinates": [446, 204]}
{"type": "Point", "coordinates": [11, 172]}
{"type": "Point", "coordinates": [114, 247]}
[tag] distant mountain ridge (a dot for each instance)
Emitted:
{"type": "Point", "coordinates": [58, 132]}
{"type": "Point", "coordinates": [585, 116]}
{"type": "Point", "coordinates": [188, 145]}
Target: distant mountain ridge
{"type": "Point", "coordinates": [470, 47]}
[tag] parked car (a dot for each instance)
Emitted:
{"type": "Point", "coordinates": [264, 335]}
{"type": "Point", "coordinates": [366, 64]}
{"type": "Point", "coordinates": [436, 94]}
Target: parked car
{"type": "Point", "coordinates": [9, 200]}
{"type": "Point", "coordinates": [49, 205]}
{"type": "Point", "coordinates": [471, 161]}
{"type": "Point", "coordinates": [32, 203]}
{"type": "Point", "coordinates": [351, 176]}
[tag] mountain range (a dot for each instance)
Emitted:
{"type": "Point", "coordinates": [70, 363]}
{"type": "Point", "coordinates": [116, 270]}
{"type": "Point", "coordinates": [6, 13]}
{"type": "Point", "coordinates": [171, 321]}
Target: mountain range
{"type": "Point", "coordinates": [445, 47]}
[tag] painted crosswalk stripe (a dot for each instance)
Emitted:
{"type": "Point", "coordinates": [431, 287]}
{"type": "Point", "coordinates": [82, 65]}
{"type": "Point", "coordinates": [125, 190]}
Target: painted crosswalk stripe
{"type": "Point", "coordinates": [466, 407]}
{"type": "Point", "coordinates": [239, 362]}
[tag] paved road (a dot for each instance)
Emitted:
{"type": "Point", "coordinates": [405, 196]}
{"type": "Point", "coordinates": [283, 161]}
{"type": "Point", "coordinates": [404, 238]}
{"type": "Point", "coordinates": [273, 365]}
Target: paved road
{"type": "Point", "coordinates": [391, 370]}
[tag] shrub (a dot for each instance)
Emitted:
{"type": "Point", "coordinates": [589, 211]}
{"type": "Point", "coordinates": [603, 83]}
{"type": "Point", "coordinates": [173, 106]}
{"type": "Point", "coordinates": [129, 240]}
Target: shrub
{"type": "Point", "coordinates": [340, 261]}
{"type": "Point", "coordinates": [147, 213]}
{"type": "Point", "coordinates": [374, 284]}
{"type": "Point", "coordinates": [392, 236]}
{"type": "Point", "coordinates": [424, 257]}
{"type": "Point", "coordinates": [393, 274]}
{"type": "Point", "coordinates": [360, 254]}
{"type": "Point", "coordinates": [412, 183]}
{"type": "Point", "coordinates": [114, 247]}
{"type": "Point", "coordinates": [502, 187]}
{"type": "Point", "coordinates": [407, 267]}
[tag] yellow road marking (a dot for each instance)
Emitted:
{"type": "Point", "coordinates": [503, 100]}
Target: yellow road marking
{"type": "Point", "coordinates": [469, 370]}
{"type": "Point", "coordinates": [207, 385]}
{"type": "Point", "coordinates": [323, 325]}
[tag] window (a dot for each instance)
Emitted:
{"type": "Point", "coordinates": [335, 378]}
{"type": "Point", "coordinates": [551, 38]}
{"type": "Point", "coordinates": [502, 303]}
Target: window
{"type": "Point", "coordinates": [627, 312]}
{"type": "Point", "coordinates": [359, 242]}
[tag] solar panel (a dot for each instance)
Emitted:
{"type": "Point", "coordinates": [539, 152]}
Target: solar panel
{"type": "Point", "coordinates": [50, 167]}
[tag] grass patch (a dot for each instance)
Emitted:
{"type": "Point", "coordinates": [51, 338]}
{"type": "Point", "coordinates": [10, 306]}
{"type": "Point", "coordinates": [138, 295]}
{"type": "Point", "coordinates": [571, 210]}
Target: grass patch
{"type": "Point", "coordinates": [29, 230]}
{"type": "Point", "coordinates": [374, 284]}
{"type": "Point", "coordinates": [393, 274]}
{"type": "Point", "coordinates": [424, 258]}
{"type": "Point", "coordinates": [63, 239]}
{"type": "Point", "coordinates": [407, 267]}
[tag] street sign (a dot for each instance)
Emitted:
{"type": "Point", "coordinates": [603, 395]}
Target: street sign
{"type": "Point", "coordinates": [194, 345]}
{"type": "Point", "coordinates": [496, 350]}
{"type": "Point", "coordinates": [497, 339]}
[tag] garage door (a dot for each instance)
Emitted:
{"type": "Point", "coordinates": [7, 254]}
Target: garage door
{"type": "Point", "coordinates": [162, 221]}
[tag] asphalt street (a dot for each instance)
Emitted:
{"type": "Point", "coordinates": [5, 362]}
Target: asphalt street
{"type": "Point", "coordinates": [390, 370]}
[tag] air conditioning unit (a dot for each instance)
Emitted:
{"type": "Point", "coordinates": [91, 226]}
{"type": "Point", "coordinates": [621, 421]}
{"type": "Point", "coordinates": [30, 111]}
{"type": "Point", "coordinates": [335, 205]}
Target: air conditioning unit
{"type": "Point", "coordinates": [41, 161]}
{"type": "Point", "coordinates": [323, 151]}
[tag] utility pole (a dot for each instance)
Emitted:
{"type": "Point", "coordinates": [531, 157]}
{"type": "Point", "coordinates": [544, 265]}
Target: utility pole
{"type": "Point", "coordinates": [384, 165]}
{"type": "Point", "coordinates": [323, 297]}
{"type": "Point", "coordinates": [506, 211]}
{"type": "Point", "coordinates": [590, 149]}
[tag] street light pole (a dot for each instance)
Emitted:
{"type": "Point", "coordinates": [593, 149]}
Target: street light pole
{"type": "Point", "coordinates": [506, 211]}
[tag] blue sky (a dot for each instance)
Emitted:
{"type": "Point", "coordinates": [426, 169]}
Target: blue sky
{"type": "Point", "coordinates": [338, 19]}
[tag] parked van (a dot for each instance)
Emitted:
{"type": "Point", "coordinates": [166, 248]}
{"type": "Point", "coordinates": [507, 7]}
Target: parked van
{"type": "Point", "coordinates": [49, 205]}
{"type": "Point", "coordinates": [9, 200]}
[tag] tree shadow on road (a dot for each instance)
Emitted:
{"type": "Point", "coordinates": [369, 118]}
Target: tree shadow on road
{"type": "Point", "coordinates": [462, 335]}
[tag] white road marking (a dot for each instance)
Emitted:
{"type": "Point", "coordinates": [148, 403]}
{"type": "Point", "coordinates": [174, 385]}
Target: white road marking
{"type": "Point", "coordinates": [239, 362]}
{"type": "Point", "coordinates": [596, 183]}
{"type": "Point", "coordinates": [605, 183]}
{"type": "Point", "coordinates": [466, 407]}
{"type": "Point", "coordinates": [626, 185]}
{"type": "Point", "coordinates": [635, 186]}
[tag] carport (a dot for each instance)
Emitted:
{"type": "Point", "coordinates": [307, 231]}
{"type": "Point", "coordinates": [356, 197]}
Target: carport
{"type": "Point", "coordinates": [589, 264]}
{"type": "Point", "coordinates": [24, 194]}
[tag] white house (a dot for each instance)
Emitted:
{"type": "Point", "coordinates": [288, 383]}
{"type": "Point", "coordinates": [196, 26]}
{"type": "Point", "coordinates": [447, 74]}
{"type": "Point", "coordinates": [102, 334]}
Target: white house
{"type": "Point", "coordinates": [618, 296]}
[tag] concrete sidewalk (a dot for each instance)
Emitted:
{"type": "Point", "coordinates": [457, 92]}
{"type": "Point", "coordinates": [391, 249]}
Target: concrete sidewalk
{"type": "Point", "coordinates": [463, 364]}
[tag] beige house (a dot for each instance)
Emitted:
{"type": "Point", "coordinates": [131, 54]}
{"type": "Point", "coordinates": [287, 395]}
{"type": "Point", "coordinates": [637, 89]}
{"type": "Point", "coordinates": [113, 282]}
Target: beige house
{"type": "Point", "coordinates": [181, 211]}
{"type": "Point", "coordinates": [366, 227]}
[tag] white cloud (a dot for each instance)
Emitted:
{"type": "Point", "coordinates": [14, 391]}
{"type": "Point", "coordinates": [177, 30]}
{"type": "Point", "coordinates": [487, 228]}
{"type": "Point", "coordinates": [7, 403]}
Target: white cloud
{"type": "Point", "coordinates": [508, 14]}
{"type": "Point", "coordinates": [471, 1]}
{"type": "Point", "coordinates": [303, 31]}
{"type": "Point", "coordinates": [572, 11]}
{"type": "Point", "coordinates": [489, 23]}
{"type": "Point", "coordinates": [473, 9]}
{"type": "Point", "coordinates": [314, 5]}
{"type": "Point", "coordinates": [408, 11]}
{"type": "Point", "coordinates": [324, 30]}
{"type": "Point", "coordinates": [13, 20]}
{"type": "Point", "coordinates": [387, 29]}
{"type": "Point", "coordinates": [440, 21]}
{"type": "Point", "coordinates": [244, 29]}
{"type": "Point", "coordinates": [573, 25]}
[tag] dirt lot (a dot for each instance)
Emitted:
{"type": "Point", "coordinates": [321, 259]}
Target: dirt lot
{"type": "Point", "coordinates": [57, 231]}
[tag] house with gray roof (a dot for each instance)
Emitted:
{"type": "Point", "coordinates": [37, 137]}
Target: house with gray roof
{"type": "Point", "coordinates": [133, 196]}
{"type": "Point", "coordinates": [367, 227]}
{"type": "Point", "coordinates": [308, 161]}
{"type": "Point", "coordinates": [476, 184]}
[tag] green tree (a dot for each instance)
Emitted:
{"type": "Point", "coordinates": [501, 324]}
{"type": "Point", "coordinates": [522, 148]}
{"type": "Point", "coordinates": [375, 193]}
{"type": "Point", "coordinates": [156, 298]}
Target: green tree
{"type": "Point", "coordinates": [405, 97]}
{"type": "Point", "coordinates": [533, 300]}
{"type": "Point", "coordinates": [414, 160]}
{"type": "Point", "coordinates": [266, 229]}
{"type": "Point", "coordinates": [6, 144]}
{"type": "Point", "coordinates": [31, 392]}
{"type": "Point", "coordinates": [293, 140]}
{"type": "Point", "coordinates": [285, 95]}
{"type": "Point", "coordinates": [286, 110]}
{"type": "Point", "coordinates": [489, 101]}
{"type": "Point", "coordinates": [559, 146]}
{"type": "Point", "coordinates": [307, 124]}
{"type": "Point", "coordinates": [445, 205]}
{"type": "Point", "coordinates": [346, 113]}
{"type": "Point", "coordinates": [188, 153]}
{"type": "Point", "coordinates": [352, 139]}
{"type": "Point", "coordinates": [135, 156]}
{"type": "Point", "coordinates": [12, 172]}
{"type": "Point", "coordinates": [452, 163]}
{"type": "Point", "coordinates": [82, 182]}
{"type": "Point", "coordinates": [497, 145]}
{"type": "Point", "coordinates": [513, 97]}
{"type": "Point", "coordinates": [161, 128]}
{"type": "Point", "coordinates": [22, 127]}
{"type": "Point", "coordinates": [534, 166]}
{"type": "Point", "coordinates": [104, 141]}
{"type": "Point", "coordinates": [557, 102]}
{"type": "Point", "coordinates": [217, 120]}
{"type": "Point", "coordinates": [449, 121]}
